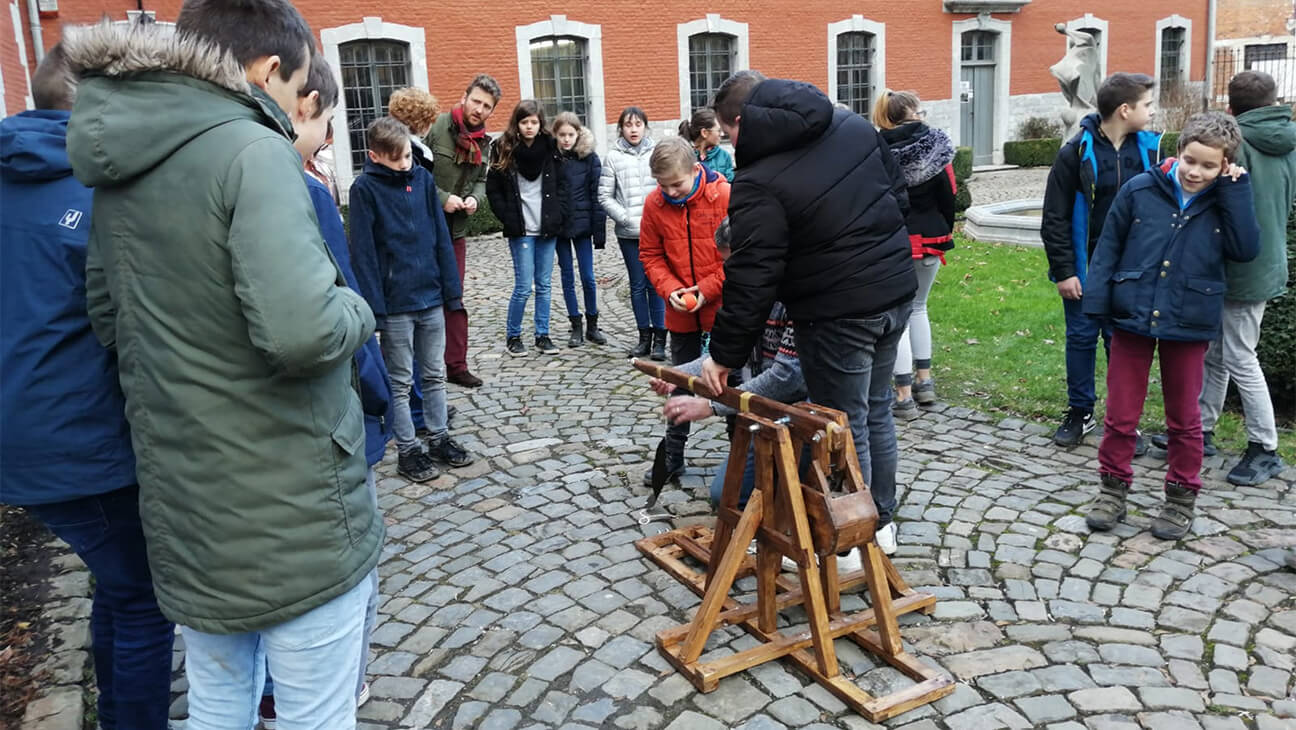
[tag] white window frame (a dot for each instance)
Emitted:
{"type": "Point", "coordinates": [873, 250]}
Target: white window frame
{"type": "Point", "coordinates": [712, 23]}
{"type": "Point", "coordinates": [1003, 76]}
{"type": "Point", "coordinates": [1185, 60]}
{"type": "Point", "coordinates": [592, 34]}
{"type": "Point", "coordinates": [858, 24]}
{"type": "Point", "coordinates": [1090, 21]}
{"type": "Point", "coordinates": [370, 28]}
{"type": "Point", "coordinates": [16, 15]}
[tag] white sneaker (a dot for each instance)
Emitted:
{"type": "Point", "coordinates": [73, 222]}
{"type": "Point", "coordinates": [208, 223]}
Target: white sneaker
{"type": "Point", "coordinates": [850, 562]}
{"type": "Point", "coordinates": [363, 697]}
{"type": "Point", "coordinates": [886, 538]}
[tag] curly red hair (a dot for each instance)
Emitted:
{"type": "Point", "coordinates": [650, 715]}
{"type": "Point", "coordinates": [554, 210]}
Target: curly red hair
{"type": "Point", "coordinates": [414, 107]}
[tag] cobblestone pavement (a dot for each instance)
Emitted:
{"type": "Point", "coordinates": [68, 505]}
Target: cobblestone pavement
{"type": "Point", "coordinates": [1001, 185]}
{"type": "Point", "coordinates": [513, 595]}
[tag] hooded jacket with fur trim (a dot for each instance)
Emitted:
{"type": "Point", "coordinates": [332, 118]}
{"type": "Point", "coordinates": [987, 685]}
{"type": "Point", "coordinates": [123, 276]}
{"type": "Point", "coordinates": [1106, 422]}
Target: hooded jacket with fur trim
{"type": "Point", "coordinates": [582, 168]}
{"type": "Point", "coordinates": [234, 332]}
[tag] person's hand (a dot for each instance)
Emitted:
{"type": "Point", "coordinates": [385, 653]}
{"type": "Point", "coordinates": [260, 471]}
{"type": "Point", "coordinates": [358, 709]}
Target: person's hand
{"type": "Point", "coordinates": [454, 305]}
{"type": "Point", "coordinates": [470, 205]}
{"type": "Point", "coordinates": [686, 409]}
{"type": "Point", "coordinates": [1070, 288]}
{"type": "Point", "coordinates": [661, 387]}
{"type": "Point", "coordinates": [677, 299]}
{"type": "Point", "coordinates": [1234, 171]}
{"type": "Point", "coordinates": [714, 375]}
{"type": "Point", "coordinates": [453, 204]}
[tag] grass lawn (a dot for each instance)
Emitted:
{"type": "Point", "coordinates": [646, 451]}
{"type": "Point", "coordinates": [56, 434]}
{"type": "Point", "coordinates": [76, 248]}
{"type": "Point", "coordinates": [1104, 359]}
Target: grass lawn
{"type": "Point", "coordinates": [998, 340]}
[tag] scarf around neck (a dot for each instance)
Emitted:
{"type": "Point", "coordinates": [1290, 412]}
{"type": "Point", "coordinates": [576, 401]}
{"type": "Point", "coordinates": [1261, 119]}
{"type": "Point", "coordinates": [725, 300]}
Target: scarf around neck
{"type": "Point", "coordinates": [529, 158]}
{"type": "Point", "coordinates": [697, 183]}
{"type": "Point", "coordinates": [468, 141]}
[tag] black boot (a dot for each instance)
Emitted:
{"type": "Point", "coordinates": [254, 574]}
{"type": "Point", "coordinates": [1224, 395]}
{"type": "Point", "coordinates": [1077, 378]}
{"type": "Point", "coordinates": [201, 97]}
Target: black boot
{"type": "Point", "coordinates": [592, 331]}
{"type": "Point", "coordinates": [575, 339]}
{"type": "Point", "coordinates": [659, 345]}
{"type": "Point", "coordinates": [645, 344]}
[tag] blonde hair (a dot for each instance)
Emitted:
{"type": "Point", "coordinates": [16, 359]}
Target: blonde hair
{"type": "Point", "coordinates": [673, 154]}
{"type": "Point", "coordinates": [1213, 129]}
{"type": "Point", "coordinates": [893, 107]}
{"type": "Point", "coordinates": [413, 107]}
{"type": "Point", "coordinates": [565, 119]}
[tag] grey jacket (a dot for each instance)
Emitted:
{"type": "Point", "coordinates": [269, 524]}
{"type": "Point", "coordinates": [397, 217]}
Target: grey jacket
{"type": "Point", "coordinates": [625, 183]}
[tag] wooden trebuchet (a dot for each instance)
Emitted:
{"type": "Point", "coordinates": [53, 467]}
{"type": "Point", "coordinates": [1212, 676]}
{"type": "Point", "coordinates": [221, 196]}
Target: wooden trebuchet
{"type": "Point", "coordinates": [809, 503]}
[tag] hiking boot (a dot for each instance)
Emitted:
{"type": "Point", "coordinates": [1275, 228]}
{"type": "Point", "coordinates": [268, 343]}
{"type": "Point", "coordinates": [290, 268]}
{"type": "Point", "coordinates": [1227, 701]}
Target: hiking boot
{"type": "Point", "coordinates": [416, 466]}
{"type": "Point", "coordinates": [447, 451]}
{"type": "Point", "coordinates": [645, 344]}
{"type": "Point", "coordinates": [659, 345]}
{"type": "Point", "coordinates": [1075, 425]}
{"type": "Point", "coordinates": [905, 410]}
{"type": "Point", "coordinates": [592, 331]}
{"type": "Point", "coordinates": [1109, 507]}
{"type": "Point", "coordinates": [267, 712]}
{"type": "Point", "coordinates": [464, 378]}
{"type": "Point", "coordinates": [577, 336]}
{"type": "Point", "coordinates": [924, 392]}
{"type": "Point", "coordinates": [546, 345]}
{"type": "Point", "coordinates": [1140, 443]}
{"type": "Point", "coordinates": [1256, 467]}
{"type": "Point", "coordinates": [515, 347]}
{"type": "Point", "coordinates": [1162, 441]}
{"type": "Point", "coordinates": [1176, 514]}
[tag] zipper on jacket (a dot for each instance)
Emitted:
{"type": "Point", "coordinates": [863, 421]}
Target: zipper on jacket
{"type": "Point", "coordinates": [688, 232]}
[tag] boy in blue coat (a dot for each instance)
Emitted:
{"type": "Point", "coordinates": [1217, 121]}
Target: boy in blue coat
{"type": "Point", "coordinates": [405, 268]}
{"type": "Point", "coordinates": [1158, 275]}
{"type": "Point", "coordinates": [65, 449]}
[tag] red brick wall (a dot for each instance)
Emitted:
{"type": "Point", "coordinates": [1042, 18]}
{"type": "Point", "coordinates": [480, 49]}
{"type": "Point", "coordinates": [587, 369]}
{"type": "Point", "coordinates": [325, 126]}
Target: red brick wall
{"type": "Point", "coordinates": [15, 76]}
{"type": "Point", "coordinates": [786, 39]}
{"type": "Point", "coordinates": [1250, 18]}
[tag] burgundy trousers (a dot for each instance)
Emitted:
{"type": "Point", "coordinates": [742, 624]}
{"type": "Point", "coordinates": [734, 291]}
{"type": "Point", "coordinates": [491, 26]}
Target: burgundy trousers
{"type": "Point", "coordinates": [456, 352]}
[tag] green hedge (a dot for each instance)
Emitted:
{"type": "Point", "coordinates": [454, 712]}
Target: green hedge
{"type": "Point", "coordinates": [1032, 152]}
{"type": "Point", "coordinates": [962, 172]}
{"type": "Point", "coordinates": [1278, 335]}
{"type": "Point", "coordinates": [1169, 144]}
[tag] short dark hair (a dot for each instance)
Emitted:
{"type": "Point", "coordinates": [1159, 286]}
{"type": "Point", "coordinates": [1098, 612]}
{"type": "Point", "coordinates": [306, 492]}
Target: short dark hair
{"type": "Point", "coordinates": [321, 79]}
{"type": "Point", "coordinates": [1251, 90]}
{"type": "Point", "coordinates": [734, 92]}
{"type": "Point", "coordinates": [486, 83]}
{"type": "Point", "coordinates": [631, 112]}
{"type": "Point", "coordinates": [386, 136]}
{"type": "Point", "coordinates": [53, 86]}
{"type": "Point", "coordinates": [1213, 129]}
{"type": "Point", "coordinates": [1122, 88]}
{"type": "Point", "coordinates": [251, 29]}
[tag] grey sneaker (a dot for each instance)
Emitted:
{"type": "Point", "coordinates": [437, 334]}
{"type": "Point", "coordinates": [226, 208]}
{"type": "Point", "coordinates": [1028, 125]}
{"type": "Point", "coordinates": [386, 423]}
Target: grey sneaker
{"type": "Point", "coordinates": [1109, 508]}
{"type": "Point", "coordinates": [1176, 514]}
{"type": "Point", "coordinates": [905, 410]}
{"type": "Point", "coordinates": [924, 392]}
{"type": "Point", "coordinates": [515, 347]}
{"type": "Point", "coordinates": [546, 345]}
{"type": "Point", "coordinates": [1256, 467]}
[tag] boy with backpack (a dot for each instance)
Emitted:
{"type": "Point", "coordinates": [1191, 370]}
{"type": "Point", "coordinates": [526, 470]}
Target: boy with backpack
{"type": "Point", "coordinates": [1111, 148]}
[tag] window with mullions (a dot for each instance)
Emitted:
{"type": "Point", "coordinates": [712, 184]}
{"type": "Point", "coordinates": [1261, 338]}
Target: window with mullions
{"type": "Point", "coordinates": [1172, 43]}
{"type": "Point", "coordinates": [371, 71]}
{"type": "Point", "coordinates": [558, 67]}
{"type": "Point", "coordinates": [1262, 52]}
{"type": "Point", "coordinates": [855, 71]}
{"type": "Point", "coordinates": [978, 45]}
{"type": "Point", "coordinates": [711, 61]}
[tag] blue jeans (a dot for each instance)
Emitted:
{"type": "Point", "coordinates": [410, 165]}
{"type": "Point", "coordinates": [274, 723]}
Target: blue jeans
{"type": "Point", "coordinates": [408, 334]}
{"type": "Point", "coordinates": [584, 248]}
{"type": "Point", "coordinates": [315, 659]}
{"type": "Point", "coordinates": [649, 308]}
{"type": "Point", "coordinates": [131, 638]}
{"type": "Point", "coordinates": [1082, 333]}
{"type": "Point", "coordinates": [533, 259]}
{"type": "Point", "coordinates": [748, 482]}
{"type": "Point", "coordinates": [847, 365]}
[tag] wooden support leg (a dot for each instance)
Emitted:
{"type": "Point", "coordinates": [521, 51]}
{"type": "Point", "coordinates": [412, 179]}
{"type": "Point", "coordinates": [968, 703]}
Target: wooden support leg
{"type": "Point", "coordinates": [721, 580]}
{"type": "Point", "coordinates": [880, 591]}
{"type": "Point", "coordinates": [730, 496]}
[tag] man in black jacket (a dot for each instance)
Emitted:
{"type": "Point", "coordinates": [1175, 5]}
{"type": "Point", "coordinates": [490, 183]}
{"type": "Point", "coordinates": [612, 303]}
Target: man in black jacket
{"type": "Point", "coordinates": [817, 209]}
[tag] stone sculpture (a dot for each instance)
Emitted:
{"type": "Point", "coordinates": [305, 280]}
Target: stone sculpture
{"type": "Point", "coordinates": [1079, 75]}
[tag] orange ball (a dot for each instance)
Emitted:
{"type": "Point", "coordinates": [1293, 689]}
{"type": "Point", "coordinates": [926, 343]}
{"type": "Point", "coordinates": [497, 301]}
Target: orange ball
{"type": "Point", "coordinates": [689, 300]}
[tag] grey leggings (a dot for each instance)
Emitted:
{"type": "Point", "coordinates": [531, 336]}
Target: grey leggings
{"type": "Point", "coordinates": [915, 349]}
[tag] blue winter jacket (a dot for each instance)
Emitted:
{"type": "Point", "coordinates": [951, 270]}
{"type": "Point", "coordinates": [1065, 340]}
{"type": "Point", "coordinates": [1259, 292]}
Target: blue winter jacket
{"type": "Point", "coordinates": [375, 389]}
{"type": "Point", "coordinates": [1158, 271]}
{"type": "Point", "coordinates": [400, 245]}
{"type": "Point", "coordinates": [63, 431]}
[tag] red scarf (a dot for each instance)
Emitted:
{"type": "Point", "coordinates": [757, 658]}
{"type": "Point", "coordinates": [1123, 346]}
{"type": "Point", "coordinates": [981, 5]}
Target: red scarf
{"type": "Point", "coordinates": [468, 142]}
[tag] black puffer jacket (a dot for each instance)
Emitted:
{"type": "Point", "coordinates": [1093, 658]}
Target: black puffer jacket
{"type": "Point", "coordinates": [924, 155]}
{"type": "Point", "coordinates": [581, 169]}
{"type": "Point", "coordinates": [506, 200]}
{"type": "Point", "coordinates": [817, 211]}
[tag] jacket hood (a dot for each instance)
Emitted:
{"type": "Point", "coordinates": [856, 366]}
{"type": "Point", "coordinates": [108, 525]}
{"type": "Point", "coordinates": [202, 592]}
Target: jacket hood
{"type": "Point", "coordinates": [33, 146]}
{"type": "Point", "coordinates": [386, 173]}
{"type": "Point", "coordinates": [921, 151]}
{"type": "Point", "coordinates": [1269, 129]}
{"type": "Point", "coordinates": [584, 145]}
{"type": "Point", "coordinates": [145, 92]}
{"type": "Point", "coordinates": [781, 115]}
{"type": "Point", "coordinates": [644, 147]}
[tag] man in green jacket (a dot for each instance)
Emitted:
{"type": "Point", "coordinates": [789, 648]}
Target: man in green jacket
{"type": "Point", "coordinates": [1268, 152]}
{"type": "Point", "coordinates": [460, 155]}
{"type": "Point", "coordinates": [235, 331]}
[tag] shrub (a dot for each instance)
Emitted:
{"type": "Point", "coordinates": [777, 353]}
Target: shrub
{"type": "Point", "coordinates": [1032, 152]}
{"type": "Point", "coordinates": [1278, 335]}
{"type": "Point", "coordinates": [483, 222]}
{"type": "Point", "coordinates": [1169, 144]}
{"type": "Point", "coordinates": [1038, 128]}
{"type": "Point", "coordinates": [962, 173]}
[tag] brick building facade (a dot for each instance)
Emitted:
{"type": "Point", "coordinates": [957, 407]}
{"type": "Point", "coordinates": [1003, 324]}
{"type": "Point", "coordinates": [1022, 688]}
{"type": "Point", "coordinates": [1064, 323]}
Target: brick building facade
{"type": "Point", "coordinates": [1256, 34]}
{"type": "Point", "coordinates": [981, 66]}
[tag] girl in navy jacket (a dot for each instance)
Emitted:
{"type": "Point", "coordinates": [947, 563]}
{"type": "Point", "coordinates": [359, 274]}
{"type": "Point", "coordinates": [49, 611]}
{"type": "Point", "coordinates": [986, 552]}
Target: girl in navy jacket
{"type": "Point", "coordinates": [1158, 274]}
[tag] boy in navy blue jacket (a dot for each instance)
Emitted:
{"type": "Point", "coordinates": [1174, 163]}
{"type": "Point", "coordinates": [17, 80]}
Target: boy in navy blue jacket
{"type": "Point", "coordinates": [1158, 276]}
{"type": "Point", "coordinates": [1111, 148]}
{"type": "Point", "coordinates": [65, 448]}
{"type": "Point", "coordinates": [405, 267]}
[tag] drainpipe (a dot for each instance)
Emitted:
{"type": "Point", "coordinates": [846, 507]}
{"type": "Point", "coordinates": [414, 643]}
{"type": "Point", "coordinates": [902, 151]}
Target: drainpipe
{"type": "Point", "coordinates": [33, 15]}
{"type": "Point", "coordinates": [1208, 87]}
